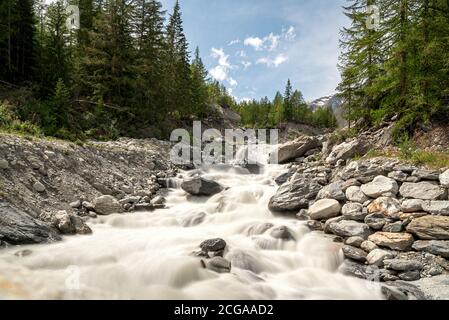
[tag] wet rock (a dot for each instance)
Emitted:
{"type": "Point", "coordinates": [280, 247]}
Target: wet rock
{"type": "Point", "coordinates": [368, 246]}
{"type": "Point", "coordinates": [403, 265]}
{"type": "Point", "coordinates": [39, 187]}
{"type": "Point", "coordinates": [130, 200]}
{"type": "Point", "coordinates": [436, 207]}
{"type": "Point", "coordinates": [201, 187]}
{"type": "Point", "coordinates": [377, 257]}
{"type": "Point", "coordinates": [315, 225]}
{"type": "Point", "coordinates": [444, 179]}
{"type": "Point", "coordinates": [23, 253]}
{"type": "Point", "coordinates": [283, 178]}
{"type": "Point", "coordinates": [412, 205]}
{"type": "Point", "coordinates": [294, 195]}
{"type": "Point", "coordinates": [259, 228]}
{"type": "Point", "coordinates": [394, 241]}
{"type": "Point", "coordinates": [355, 194]}
{"type": "Point", "coordinates": [426, 174]}
{"type": "Point", "coordinates": [439, 248]}
{"type": "Point", "coordinates": [242, 260]}
{"type": "Point", "coordinates": [75, 204]}
{"type": "Point", "coordinates": [282, 233]}
{"type": "Point", "coordinates": [17, 227]}
{"type": "Point", "coordinates": [430, 227]}
{"type": "Point", "coordinates": [353, 211]}
{"type": "Point", "coordinates": [349, 228]}
{"type": "Point", "coordinates": [106, 205]}
{"type": "Point", "coordinates": [380, 186]}
{"type": "Point", "coordinates": [158, 201]}
{"type": "Point", "coordinates": [354, 253]}
{"type": "Point", "coordinates": [213, 245]}
{"type": "Point", "coordinates": [410, 276]}
{"type": "Point", "coordinates": [143, 207]}
{"type": "Point", "coordinates": [398, 176]}
{"type": "Point", "coordinates": [295, 149]}
{"type": "Point", "coordinates": [218, 264]}
{"type": "Point", "coordinates": [4, 164]}
{"type": "Point", "coordinates": [354, 241]}
{"type": "Point", "coordinates": [389, 207]}
{"type": "Point", "coordinates": [324, 209]}
{"type": "Point", "coordinates": [355, 269]}
{"type": "Point", "coordinates": [332, 191]}
{"type": "Point", "coordinates": [88, 206]}
{"type": "Point", "coordinates": [70, 224]}
{"type": "Point", "coordinates": [302, 215]}
{"type": "Point", "coordinates": [423, 191]}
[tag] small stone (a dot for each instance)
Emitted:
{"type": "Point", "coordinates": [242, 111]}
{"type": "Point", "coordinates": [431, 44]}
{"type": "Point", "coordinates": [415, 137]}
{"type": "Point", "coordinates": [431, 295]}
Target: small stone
{"type": "Point", "coordinates": [315, 225]}
{"type": "Point", "coordinates": [377, 257]}
{"type": "Point", "coordinates": [332, 191]}
{"type": "Point", "coordinates": [106, 205]}
{"type": "Point", "coordinates": [368, 246]}
{"type": "Point", "coordinates": [302, 215]}
{"type": "Point", "coordinates": [4, 164]}
{"type": "Point", "coordinates": [88, 206]}
{"type": "Point", "coordinates": [213, 245]}
{"type": "Point", "coordinates": [380, 186]}
{"type": "Point", "coordinates": [410, 276]}
{"type": "Point", "coordinates": [398, 176]}
{"type": "Point", "coordinates": [412, 205]}
{"type": "Point", "coordinates": [39, 187]}
{"type": "Point", "coordinates": [389, 207]}
{"type": "Point", "coordinates": [403, 265]}
{"type": "Point", "coordinates": [355, 194]}
{"type": "Point", "coordinates": [376, 221]}
{"type": "Point", "coordinates": [353, 211]}
{"type": "Point", "coordinates": [394, 241]}
{"type": "Point", "coordinates": [324, 209]}
{"type": "Point", "coordinates": [354, 253]}
{"type": "Point", "coordinates": [282, 233]}
{"type": "Point", "coordinates": [426, 174]}
{"type": "Point", "coordinates": [23, 253]}
{"type": "Point", "coordinates": [354, 241]}
{"type": "Point", "coordinates": [395, 227]}
{"type": "Point", "coordinates": [349, 228]}
{"type": "Point", "coordinates": [75, 204]}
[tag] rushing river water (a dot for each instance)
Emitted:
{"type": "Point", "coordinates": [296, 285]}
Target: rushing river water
{"type": "Point", "coordinates": [149, 255]}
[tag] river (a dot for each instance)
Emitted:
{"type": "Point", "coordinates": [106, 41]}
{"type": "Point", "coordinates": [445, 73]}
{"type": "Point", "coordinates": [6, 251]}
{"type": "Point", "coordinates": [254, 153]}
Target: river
{"type": "Point", "coordinates": [148, 255]}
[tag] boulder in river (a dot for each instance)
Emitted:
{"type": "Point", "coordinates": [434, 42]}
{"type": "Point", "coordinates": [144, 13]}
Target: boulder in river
{"type": "Point", "coordinates": [218, 264]}
{"type": "Point", "coordinates": [18, 227]}
{"type": "Point", "coordinates": [106, 205]}
{"type": "Point", "coordinates": [199, 186]}
{"type": "Point", "coordinates": [213, 245]}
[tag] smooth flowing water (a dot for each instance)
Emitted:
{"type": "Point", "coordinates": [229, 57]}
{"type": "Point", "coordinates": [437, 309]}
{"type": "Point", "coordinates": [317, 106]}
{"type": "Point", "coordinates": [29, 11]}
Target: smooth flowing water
{"type": "Point", "coordinates": [149, 255]}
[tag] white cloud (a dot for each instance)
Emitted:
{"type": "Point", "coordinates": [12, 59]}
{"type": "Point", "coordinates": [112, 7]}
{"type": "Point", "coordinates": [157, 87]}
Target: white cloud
{"type": "Point", "coordinates": [232, 82]}
{"type": "Point", "coordinates": [242, 54]}
{"type": "Point", "coordinates": [219, 73]}
{"type": "Point", "coordinates": [246, 64]}
{"type": "Point", "coordinates": [273, 40]}
{"type": "Point", "coordinates": [254, 42]}
{"type": "Point", "coordinates": [276, 62]}
{"type": "Point", "coordinates": [289, 34]}
{"type": "Point", "coordinates": [236, 41]}
{"type": "Point", "coordinates": [222, 57]}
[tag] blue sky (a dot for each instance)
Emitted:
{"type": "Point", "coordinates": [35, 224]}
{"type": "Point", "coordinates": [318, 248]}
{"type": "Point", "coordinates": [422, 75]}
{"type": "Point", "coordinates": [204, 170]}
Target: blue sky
{"type": "Point", "coordinates": [254, 46]}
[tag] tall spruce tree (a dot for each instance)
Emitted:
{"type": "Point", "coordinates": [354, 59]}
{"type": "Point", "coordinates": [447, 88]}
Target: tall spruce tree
{"type": "Point", "coordinates": [199, 86]}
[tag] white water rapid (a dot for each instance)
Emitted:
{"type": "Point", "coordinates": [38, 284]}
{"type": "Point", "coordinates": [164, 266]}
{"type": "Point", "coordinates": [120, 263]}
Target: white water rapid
{"type": "Point", "coordinates": [149, 255]}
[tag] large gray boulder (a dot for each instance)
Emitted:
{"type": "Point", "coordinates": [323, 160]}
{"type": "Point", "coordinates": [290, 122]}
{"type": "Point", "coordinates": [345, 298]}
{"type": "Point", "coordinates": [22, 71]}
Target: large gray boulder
{"type": "Point", "coordinates": [294, 195]}
{"type": "Point", "coordinates": [324, 209]}
{"type": "Point", "coordinates": [423, 191]}
{"type": "Point", "coordinates": [349, 228]}
{"type": "Point", "coordinates": [201, 187]}
{"type": "Point", "coordinates": [295, 149]}
{"type": "Point", "coordinates": [333, 190]}
{"type": "Point", "coordinates": [17, 227]}
{"type": "Point", "coordinates": [355, 194]}
{"type": "Point", "coordinates": [380, 186]}
{"type": "Point", "coordinates": [106, 205]}
{"type": "Point", "coordinates": [430, 227]}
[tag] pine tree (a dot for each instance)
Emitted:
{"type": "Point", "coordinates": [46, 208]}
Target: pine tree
{"type": "Point", "coordinates": [288, 107]}
{"type": "Point", "coordinates": [199, 86]}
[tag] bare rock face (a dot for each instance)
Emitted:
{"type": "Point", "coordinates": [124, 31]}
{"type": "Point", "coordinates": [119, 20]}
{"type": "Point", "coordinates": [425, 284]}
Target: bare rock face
{"type": "Point", "coordinates": [324, 209]}
{"type": "Point", "coordinates": [17, 227]}
{"type": "Point", "coordinates": [423, 191]}
{"type": "Point", "coordinates": [444, 179]}
{"type": "Point", "coordinates": [347, 150]}
{"type": "Point", "coordinates": [394, 241]}
{"type": "Point", "coordinates": [106, 205]}
{"type": "Point", "coordinates": [430, 227]}
{"type": "Point", "coordinates": [201, 187]}
{"type": "Point", "coordinates": [295, 149]}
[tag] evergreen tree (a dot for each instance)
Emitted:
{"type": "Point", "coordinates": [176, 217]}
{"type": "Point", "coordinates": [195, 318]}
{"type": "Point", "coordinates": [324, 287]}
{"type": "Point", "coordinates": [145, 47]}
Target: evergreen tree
{"type": "Point", "coordinates": [288, 107]}
{"type": "Point", "coordinates": [199, 85]}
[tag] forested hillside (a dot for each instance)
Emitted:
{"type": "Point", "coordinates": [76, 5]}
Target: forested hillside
{"type": "Point", "coordinates": [399, 66]}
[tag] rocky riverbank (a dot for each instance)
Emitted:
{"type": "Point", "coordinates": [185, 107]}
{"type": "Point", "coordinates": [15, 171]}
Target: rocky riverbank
{"type": "Point", "coordinates": [391, 218]}
{"type": "Point", "coordinates": [51, 187]}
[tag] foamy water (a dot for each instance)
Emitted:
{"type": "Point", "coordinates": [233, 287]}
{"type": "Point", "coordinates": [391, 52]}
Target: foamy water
{"type": "Point", "coordinates": [149, 255]}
